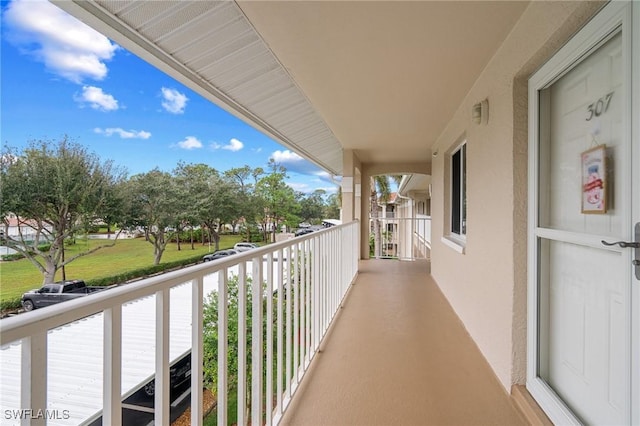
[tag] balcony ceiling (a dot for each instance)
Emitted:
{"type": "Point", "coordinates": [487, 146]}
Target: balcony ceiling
{"type": "Point", "coordinates": [380, 78]}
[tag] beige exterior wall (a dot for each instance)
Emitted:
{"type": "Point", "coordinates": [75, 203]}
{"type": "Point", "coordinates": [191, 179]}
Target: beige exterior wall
{"type": "Point", "coordinates": [487, 284]}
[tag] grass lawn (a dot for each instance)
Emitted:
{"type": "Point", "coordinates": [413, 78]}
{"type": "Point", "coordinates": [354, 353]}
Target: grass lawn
{"type": "Point", "coordinates": [128, 254]}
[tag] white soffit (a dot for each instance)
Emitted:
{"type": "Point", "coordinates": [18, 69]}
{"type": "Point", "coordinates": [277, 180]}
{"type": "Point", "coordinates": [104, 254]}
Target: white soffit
{"type": "Point", "coordinates": [212, 48]}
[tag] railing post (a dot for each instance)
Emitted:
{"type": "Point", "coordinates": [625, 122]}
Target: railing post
{"type": "Point", "coordinates": [288, 359]}
{"type": "Point", "coordinates": [196, 350]}
{"type": "Point", "coordinates": [112, 366]}
{"type": "Point", "coordinates": [222, 346]}
{"type": "Point", "coordinates": [309, 320]}
{"type": "Point", "coordinates": [242, 343]}
{"type": "Point", "coordinates": [34, 377]}
{"type": "Point", "coordinates": [302, 286]}
{"type": "Point", "coordinates": [316, 294]}
{"type": "Point", "coordinates": [269, 366]}
{"type": "Point", "coordinates": [280, 348]}
{"type": "Point", "coordinates": [256, 342]}
{"type": "Point", "coordinates": [296, 311]}
{"type": "Point", "coordinates": [162, 379]}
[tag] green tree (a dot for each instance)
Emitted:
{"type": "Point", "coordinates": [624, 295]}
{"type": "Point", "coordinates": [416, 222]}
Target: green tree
{"type": "Point", "coordinates": [380, 191]}
{"type": "Point", "coordinates": [332, 207]}
{"type": "Point", "coordinates": [248, 205]}
{"type": "Point", "coordinates": [312, 206]}
{"type": "Point", "coordinates": [53, 189]}
{"type": "Point", "coordinates": [194, 182]}
{"type": "Point", "coordinates": [113, 209]}
{"type": "Point", "coordinates": [155, 203]}
{"type": "Point", "coordinates": [279, 199]}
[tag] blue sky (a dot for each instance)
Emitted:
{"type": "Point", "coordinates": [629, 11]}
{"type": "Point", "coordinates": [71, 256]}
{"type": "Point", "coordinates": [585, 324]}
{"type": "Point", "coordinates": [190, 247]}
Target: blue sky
{"type": "Point", "coordinates": [60, 77]}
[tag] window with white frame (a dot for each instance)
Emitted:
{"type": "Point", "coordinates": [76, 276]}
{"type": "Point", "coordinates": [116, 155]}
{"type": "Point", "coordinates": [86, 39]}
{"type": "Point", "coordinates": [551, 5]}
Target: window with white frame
{"type": "Point", "coordinates": [459, 191]}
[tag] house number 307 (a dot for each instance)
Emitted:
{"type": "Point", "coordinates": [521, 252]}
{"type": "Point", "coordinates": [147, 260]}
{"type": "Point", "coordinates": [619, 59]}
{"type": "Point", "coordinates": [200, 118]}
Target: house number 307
{"type": "Point", "coordinates": [599, 107]}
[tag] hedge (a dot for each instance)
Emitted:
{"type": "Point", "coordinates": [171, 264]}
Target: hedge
{"type": "Point", "coordinates": [18, 256]}
{"type": "Point", "coordinates": [120, 278]}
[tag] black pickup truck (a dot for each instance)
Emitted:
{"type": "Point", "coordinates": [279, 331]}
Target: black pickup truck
{"type": "Point", "coordinates": [50, 294]}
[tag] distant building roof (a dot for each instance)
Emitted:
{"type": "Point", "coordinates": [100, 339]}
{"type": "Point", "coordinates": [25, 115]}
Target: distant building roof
{"type": "Point", "coordinates": [392, 199]}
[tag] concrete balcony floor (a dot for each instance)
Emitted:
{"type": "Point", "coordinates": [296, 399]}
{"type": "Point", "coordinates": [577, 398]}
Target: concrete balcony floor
{"type": "Point", "coordinates": [397, 354]}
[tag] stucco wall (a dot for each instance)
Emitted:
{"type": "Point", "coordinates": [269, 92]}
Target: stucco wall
{"type": "Point", "coordinates": [487, 284]}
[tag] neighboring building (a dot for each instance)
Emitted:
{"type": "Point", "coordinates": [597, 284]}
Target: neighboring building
{"type": "Point", "coordinates": [404, 223]}
{"type": "Point", "coordinates": [18, 228]}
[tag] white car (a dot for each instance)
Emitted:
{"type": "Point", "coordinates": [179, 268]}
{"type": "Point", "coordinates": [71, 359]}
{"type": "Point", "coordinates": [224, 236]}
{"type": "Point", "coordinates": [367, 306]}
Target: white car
{"type": "Point", "coordinates": [239, 247]}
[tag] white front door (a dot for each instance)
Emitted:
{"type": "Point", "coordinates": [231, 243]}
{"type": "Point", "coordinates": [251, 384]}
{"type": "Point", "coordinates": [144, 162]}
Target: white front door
{"type": "Point", "coordinates": [582, 192]}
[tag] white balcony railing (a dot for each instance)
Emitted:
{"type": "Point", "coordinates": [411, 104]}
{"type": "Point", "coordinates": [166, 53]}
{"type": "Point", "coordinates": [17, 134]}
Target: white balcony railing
{"type": "Point", "coordinates": [403, 238]}
{"type": "Point", "coordinates": [306, 278]}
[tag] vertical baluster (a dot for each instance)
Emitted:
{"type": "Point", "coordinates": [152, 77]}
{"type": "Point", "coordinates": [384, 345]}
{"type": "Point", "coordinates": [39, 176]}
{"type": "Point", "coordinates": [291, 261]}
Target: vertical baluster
{"type": "Point", "coordinates": [196, 350]}
{"type": "Point", "coordinates": [288, 354]}
{"type": "Point", "coordinates": [256, 342]}
{"type": "Point", "coordinates": [332, 277]}
{"type": "Point", "coordinates": [326, 274]}
{"type": "Point", "coordinates": [296, 311]}
{"type": "Point", "coordinates": [223, 343]}
{"type": "Point", "coordinates": [280, 348]}
{"type": "Point", "coordinates": [303, 306]}
{"type": "Point", "coordinates": [316, 281]}
{"type": "Point", "coordinates": [322, 276]}
{"type": "Point", "coordinates": [242, 342]}
{"type": "Point", "coordinates": [33, 390]}
{"type": "Point", "coordinates": [162, 379]}
{"type": "Point", "coordinates": [343, 259]}
{"type": "Point", "coordinates": [309, 299]}
{"type": "Point", "coordinates": [269, 366]}
{"type": "Point", "coordinates": [112, 366]}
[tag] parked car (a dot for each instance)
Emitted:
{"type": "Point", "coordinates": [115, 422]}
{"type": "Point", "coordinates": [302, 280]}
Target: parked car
{"type": "Point", "coordinates": [219, 255]}
{"type": "Point", "coordinates": [304, 231]}
{"type": "Point", "coordinates": [50, 294]}
{"type": "Point", "coordinates": [240, 247]}
{"type": "Point", "coordinates": [179, 374]}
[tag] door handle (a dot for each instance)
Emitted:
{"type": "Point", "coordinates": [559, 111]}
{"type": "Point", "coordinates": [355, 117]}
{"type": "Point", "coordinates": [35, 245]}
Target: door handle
{"type": "Point", "coordinates": [623, 244]}
{"type": "Point", "coordinates": [634, 245]}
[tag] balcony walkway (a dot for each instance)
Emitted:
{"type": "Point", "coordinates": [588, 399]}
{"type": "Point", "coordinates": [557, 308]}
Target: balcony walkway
{"type": "Point", "coordinates": [398, 355]}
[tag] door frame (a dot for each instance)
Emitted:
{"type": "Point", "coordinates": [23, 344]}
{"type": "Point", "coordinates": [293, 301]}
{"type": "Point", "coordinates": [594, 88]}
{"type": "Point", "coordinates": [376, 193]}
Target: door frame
{"type": "Point", "coordinates": [607, 21]}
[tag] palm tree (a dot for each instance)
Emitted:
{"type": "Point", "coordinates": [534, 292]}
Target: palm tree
{"type": "Point", "coordinates": [380, 191]}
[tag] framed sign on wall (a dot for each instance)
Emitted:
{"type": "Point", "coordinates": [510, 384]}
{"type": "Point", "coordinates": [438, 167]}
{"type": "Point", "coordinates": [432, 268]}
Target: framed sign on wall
{"type": "Point", "coordinates": [594, 172]}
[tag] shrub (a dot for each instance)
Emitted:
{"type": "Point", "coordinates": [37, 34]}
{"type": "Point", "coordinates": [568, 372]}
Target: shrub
{"type": "Point", "coordinates": [144, 272]}
{"type": "Point", "coordinates": [12, 257]}
{"type": "Point", "coordinates": [10, 304]}
{"type": "Point", "coordinates": [18, 256]}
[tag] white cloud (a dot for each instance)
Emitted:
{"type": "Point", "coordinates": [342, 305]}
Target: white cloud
{"type": "Point", "coordinates": [233, 145]}
{"type": "Point", "coordinates": [328, 189]}
{"type": "Point", "coordinates": [174, 101]}
{"type": "Point", "coordinates": [293, 162]}
{"type": "Point", "coordinates": [191, 142]}
{"type": "Point", "coordinates": [97, 99]}
{"type": "Point", "coordinates": [286, 156]}
{"type": "Point", "coordinates": [300, 187]}
{"type": "Point", "coordinates": [124, 134]}
{"type": "Point", "coordinates": [308, 188]}
{"type": "Point", "coordinates": [66, 46]}
{"type": "Point", "coordinates": [328, 177]}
